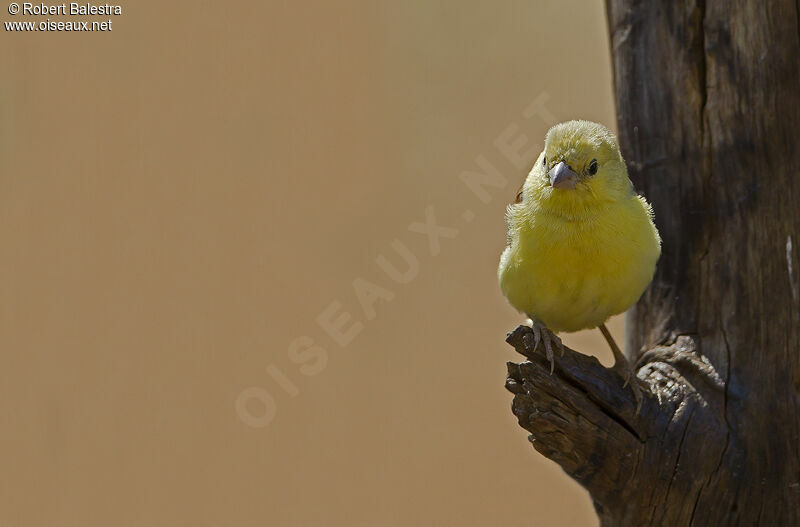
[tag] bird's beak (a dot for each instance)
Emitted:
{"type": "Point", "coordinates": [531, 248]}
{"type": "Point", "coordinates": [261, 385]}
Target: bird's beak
{"type": "Point", "coordinates": [562, 176]}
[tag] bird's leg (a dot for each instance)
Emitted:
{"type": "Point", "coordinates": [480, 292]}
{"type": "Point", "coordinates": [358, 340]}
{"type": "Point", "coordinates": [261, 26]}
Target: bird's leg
{"type": "Point", "coordinates": [542, 334]}
{"type": "Point", "coordinates": [624, 368]}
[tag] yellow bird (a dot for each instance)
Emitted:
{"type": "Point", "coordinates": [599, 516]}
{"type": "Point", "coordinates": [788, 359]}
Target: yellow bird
{"type": "Point", "coordinates": [582, 245]}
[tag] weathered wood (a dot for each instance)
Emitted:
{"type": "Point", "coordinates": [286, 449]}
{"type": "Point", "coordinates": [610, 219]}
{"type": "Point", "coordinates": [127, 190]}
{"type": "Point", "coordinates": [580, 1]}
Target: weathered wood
{"type": "Point", "coordinates": [708, 103]}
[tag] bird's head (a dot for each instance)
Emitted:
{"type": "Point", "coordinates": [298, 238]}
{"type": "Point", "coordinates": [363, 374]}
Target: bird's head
{"type": "Point", "coordinates": [580, 166]}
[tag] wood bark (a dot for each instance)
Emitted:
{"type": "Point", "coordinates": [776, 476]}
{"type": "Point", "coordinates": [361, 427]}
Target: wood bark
{"type": "Point", "coordinates": [708, 107]}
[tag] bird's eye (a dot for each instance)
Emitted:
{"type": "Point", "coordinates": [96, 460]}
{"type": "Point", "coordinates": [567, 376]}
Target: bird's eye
{"type": "Point", "coordinates": [544, 161]}
{"type": "Point", "coordinates": [593, 167]}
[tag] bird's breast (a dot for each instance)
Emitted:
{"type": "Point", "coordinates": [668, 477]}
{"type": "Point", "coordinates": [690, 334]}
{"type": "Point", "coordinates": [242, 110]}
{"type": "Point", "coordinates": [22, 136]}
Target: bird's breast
{"type": "Point", "coordinates": [573, 274]}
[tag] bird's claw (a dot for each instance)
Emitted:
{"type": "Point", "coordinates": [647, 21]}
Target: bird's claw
{"type": "Point", "coordinates": [638, 386]}
{"type": "Point", "coordinates": [543, 335]}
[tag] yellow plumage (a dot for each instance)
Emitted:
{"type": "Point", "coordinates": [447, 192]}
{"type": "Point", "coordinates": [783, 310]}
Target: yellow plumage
{"type": "Point", "coordinates": [577, 256]}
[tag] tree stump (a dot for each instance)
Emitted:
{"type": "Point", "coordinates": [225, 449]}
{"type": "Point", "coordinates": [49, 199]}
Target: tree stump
{"type": "Point", "coordinates": [708, 103]}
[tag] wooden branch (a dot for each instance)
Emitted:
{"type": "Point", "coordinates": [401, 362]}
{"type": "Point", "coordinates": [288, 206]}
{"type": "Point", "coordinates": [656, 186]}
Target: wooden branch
{"type": "Point", "coordinates": [640, 468]}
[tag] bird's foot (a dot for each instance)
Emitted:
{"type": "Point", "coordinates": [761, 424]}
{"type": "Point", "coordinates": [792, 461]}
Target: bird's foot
{"type": "Point", "coordinates": [625, 370]}
{"type": "Point", "coordinates": [541, 334]}
{"type": "Point", "coordinates": [638, 386]}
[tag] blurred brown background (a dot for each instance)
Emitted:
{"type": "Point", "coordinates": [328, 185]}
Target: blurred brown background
{"type": "Point", "coordinates": [184, 195]}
